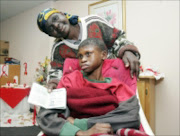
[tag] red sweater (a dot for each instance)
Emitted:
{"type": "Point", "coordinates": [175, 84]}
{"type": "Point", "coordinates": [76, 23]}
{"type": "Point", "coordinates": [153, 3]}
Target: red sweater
{"type": "Point", "coordinates": [87, 99]}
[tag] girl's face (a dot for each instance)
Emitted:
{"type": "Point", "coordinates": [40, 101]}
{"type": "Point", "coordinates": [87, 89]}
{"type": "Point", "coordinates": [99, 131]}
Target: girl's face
{"type": "Point", "coordinates": [58, 25]}
{"type": "Point", "coordinates": [90, 58]}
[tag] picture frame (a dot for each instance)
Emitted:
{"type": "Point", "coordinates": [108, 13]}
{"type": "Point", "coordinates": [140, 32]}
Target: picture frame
{"type": "Point", "coordinates": [113, 11]}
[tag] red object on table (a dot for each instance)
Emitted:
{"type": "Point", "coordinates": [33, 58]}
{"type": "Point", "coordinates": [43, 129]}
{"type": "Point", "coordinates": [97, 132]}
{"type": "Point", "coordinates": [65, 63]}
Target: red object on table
{"type": "Point", "coordinates": [34, 116]}
{"type": "Point", "coordinates": [12, 96]}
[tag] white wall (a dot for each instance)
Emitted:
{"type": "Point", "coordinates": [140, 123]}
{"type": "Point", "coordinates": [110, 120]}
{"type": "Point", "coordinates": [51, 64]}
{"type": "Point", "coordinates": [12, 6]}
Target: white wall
{"type": "Point", "coordinates": [27, 43]}
{"type": "Point", "coordinates": [73, 7]}
{"type": "Point", "coordinates": [152, 25]}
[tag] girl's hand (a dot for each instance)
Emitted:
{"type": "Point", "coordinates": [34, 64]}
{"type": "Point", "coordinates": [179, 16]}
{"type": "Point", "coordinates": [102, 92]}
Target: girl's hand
{"type": "Point", "coordinates": [71, 120]}
{"type": "Point", "coordinates": [104, 128]}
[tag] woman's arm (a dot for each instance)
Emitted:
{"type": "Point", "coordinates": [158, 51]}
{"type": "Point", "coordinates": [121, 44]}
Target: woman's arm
{"type": "Point", "coordinates": [53, 122]}
{"type": "Point", "coordinates": [59, 53]}
{"type": "Point", "coordinates": [116, 42]}
{"type": "Point", "coordinates": [53, 125]}
{"type": "Point", "coordinates": [126, 115]}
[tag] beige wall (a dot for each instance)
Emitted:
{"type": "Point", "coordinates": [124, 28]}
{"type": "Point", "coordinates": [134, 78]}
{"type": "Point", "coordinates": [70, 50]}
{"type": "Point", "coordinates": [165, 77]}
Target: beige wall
{"type": "Point", "coordinates": [27, 43]}
{"type": "Point", "coordinates": [152, 25]}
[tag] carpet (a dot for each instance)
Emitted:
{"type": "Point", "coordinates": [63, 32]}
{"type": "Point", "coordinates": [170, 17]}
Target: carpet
{"type": "Point", "coordinates": [19, 131]}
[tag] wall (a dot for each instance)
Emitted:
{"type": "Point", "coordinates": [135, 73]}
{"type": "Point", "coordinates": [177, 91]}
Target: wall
{"type": "Point", "coordinates": [27, 43]}
{"type": "Point", "coordinates": [152, 25]}
{"type": "Point", "coordinates": [79, 7]}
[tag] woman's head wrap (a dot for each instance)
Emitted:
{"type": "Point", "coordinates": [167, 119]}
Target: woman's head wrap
{"type": "Point", "coordinates": [43, 17]}
{"type": "Point", "coordinates": [73, 19]}
{"type": "Point", "coordinates": [45, 14]}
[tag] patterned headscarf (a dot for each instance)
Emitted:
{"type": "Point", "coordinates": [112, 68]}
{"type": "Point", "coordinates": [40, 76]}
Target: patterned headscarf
{"type": "Point", "coordinates": [43, 17]}
{"type": "Point", "coordinates": [45, 14]}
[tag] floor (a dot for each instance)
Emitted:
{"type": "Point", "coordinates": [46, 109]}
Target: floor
{"type": "Point", "coordinates": [18, 125]}
{"type": "Point", "coordinates": [19, 131]}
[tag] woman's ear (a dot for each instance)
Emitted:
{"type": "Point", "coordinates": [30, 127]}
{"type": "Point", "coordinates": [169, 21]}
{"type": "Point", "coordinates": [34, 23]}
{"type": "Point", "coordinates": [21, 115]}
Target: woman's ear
{"type": "Point", "coordinates": [62, 13]}
{"type": "Point", "coordinates": [104, 55]}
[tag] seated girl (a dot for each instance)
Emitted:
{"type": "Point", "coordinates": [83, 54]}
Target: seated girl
{"type": "Point", "coordinates": [96, 104]}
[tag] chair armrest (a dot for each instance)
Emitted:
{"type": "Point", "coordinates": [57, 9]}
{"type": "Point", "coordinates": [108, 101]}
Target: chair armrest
{"type": "Point", "coordinates": [143, 119]}
{"type": "Point", "coordinates": [40, 134]}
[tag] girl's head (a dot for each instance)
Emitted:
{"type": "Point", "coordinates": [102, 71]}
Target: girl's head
{"type": "Point", "coordinates": [93, 42]}
{"type": "Point", "coordinates": [91, 54]}
{"type": "Point", "coordinates": [55, 23]}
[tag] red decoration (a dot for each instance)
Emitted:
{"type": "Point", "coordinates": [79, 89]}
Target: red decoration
{"type": "Point", "coordinates": [25, 72]}
{"type": "Point", "coordinates": [24, 85]}
{"type": "Point", "coordinates": [34, 116]}
{"type": "Point", "coordinates": [141, 68]}
{"type": "Point", "coordinates": [13, 96]}
{"type": "Point", "coordinates": [14, 81]}
{"type": "Point", "coordinates": [155, 73]}
{"type": "Point", "coordinates": [3, 71]}
{"type": "Point", "coordinates": [8, 83]}
{"type": "Point", "coordinates": [9, 121]}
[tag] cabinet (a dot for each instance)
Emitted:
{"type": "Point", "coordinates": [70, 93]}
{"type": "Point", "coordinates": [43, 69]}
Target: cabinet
{"type": "Point", "coordinates": [146, 90]}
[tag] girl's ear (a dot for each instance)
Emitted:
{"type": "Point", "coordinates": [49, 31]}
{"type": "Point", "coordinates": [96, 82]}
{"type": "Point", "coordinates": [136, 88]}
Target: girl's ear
{"type": "Point", "coordinates": [104, 55]}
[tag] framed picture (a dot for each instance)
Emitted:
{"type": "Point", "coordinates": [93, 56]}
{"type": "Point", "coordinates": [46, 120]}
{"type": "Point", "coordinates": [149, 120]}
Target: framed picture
{"type": "Point", "coordinates": [113, 11]}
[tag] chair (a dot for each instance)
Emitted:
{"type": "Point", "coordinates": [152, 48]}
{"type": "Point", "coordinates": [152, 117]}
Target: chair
{"type": "Point", "coordinates": [113, 68]}
{"type": "Point", "coordinates": [144, 123]}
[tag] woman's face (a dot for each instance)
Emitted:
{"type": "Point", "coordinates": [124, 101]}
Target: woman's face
{"type": "Point", "coordinates": [58, 25]}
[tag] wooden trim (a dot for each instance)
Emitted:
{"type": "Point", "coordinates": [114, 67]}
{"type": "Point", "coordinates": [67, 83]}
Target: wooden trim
{"type": "Point", "coordinates": [99, 2]}
{"type": "Point", "coordinates": [124, 14]}
{"type": "Point", "coordinates": [148, 77]}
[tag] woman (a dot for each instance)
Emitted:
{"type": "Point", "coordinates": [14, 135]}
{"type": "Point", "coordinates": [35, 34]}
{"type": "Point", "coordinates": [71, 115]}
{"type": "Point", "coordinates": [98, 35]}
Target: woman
{"type": "Point", "coordinates": [70, 31]}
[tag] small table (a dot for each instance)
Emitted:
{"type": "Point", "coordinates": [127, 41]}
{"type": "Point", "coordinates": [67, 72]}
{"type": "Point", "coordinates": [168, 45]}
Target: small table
{"type": "Point", "coordinates": [14, 100]}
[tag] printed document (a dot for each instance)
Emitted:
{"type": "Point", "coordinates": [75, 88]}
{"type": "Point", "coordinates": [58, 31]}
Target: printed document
{"type": "Point", "coordinates": [40, 96]}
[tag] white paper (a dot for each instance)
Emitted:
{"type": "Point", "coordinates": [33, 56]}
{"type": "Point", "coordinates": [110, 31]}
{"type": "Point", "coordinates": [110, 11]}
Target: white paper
{"type": "Point", "coordinates": [55, 100]}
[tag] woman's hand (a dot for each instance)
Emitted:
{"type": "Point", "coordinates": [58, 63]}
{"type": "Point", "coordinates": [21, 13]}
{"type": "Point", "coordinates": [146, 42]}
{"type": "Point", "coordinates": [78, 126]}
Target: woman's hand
{"type": "Point", "coordinates": [131, 60]}
{"type": "Point", "coordinates": [52, 84]}
{"type": "Point", "coordinates": [97, 128]}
